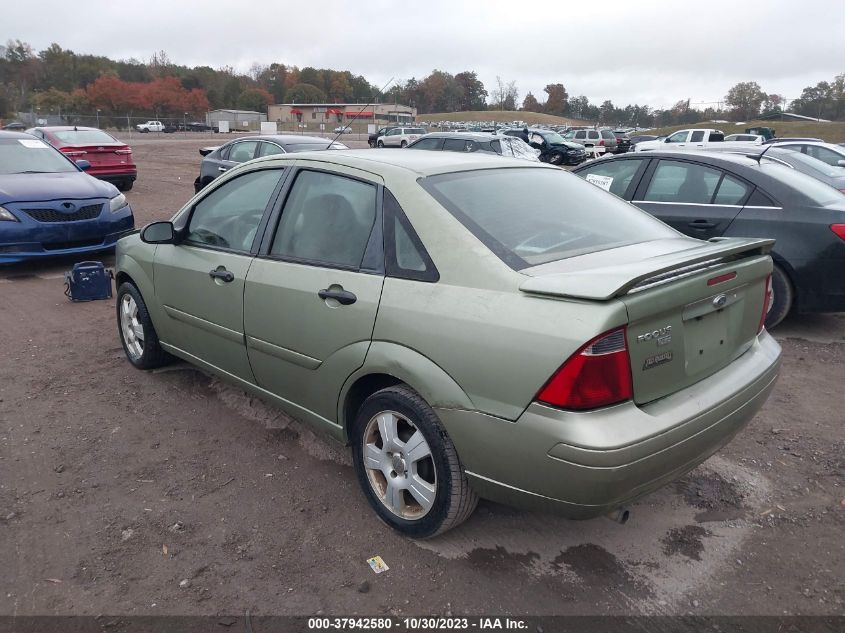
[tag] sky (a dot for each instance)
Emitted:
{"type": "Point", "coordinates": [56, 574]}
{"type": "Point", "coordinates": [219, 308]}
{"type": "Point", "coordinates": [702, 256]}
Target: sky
{"type": "Point", "coordinates": [653, 52]}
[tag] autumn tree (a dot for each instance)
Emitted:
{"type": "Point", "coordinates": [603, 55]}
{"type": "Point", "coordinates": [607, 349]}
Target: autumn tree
{"type": "Point", "coordinates": [256, 99]}
{"type": "Point", "coordinates": [473, 95]}
{"type": "Point", "coordinates": [504, 95]}
{"type": "Point", "coordinates": [530, 104]}
{"type": "Point", "coordinates": [556, 100]}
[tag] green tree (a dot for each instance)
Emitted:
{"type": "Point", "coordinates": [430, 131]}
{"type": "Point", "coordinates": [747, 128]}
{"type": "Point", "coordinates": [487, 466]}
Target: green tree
{"type": "Point", "coordinates": [744, 100]}
{"type": "Point", "coordinates": [305, 93]}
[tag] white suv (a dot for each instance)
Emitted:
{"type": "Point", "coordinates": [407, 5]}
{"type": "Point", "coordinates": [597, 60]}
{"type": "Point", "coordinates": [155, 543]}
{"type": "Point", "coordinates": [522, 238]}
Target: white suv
{"type": "Point", "coordinates": [400, 137]}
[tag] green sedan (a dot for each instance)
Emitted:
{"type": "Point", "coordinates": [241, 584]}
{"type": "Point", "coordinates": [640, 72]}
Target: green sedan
{"type": "Point", "coordinates": [471, 326]}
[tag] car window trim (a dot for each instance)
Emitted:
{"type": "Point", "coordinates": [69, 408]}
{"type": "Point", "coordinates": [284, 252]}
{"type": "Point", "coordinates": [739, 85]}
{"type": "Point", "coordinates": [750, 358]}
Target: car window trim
{"type": "Point", "coordinates": [262, 223]}
{"type": "Point", "coordinates": [393, 212]}
{"type": "Point", "coordinates": [275, 217]}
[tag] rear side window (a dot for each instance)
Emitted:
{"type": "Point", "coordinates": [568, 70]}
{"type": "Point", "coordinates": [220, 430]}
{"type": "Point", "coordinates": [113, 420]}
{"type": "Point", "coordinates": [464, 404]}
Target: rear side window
{"type": "Point", "coordinates": [697, 136]}
{"type": "Point", "coordinates": [428, 143]}
{"type": "Point", "coordinates": [406, 256]}
{"type": "Point", "coordinates": [608, 134]}
{"type": "Point", "coordinates": [566, 217]}
{"type": "Point", "coordinates": [682, 182]}
{"type": "Point", "coordinates": [327, 219]}
{"type": "Point", "coordinates": [459, 145]}
{"type": "Point", "coordinates": [613, 176]}
{"type": "Point", "coordinates": [243, 151]}
{"type": "Point", "coordinates": [731, 191]}
{"type": "Point", "coordinates": [269, 149]}
{"type": "Point", "coordinates": [415, 130]}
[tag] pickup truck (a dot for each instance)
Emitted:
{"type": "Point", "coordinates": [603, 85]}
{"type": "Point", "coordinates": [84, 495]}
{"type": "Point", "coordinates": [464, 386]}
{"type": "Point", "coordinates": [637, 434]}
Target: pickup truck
{"type": "Point", "coordinates": [690, 139]}
{"type": "Point", "coordinates": [150, 126]}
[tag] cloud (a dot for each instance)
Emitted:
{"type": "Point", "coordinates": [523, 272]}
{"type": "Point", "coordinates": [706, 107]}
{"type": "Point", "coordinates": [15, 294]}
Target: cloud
{"type": "Point", "coordinates": [650, 51]}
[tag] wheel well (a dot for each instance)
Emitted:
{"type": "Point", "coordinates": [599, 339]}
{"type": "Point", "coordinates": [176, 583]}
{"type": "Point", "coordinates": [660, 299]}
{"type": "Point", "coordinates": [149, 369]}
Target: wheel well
{"type": "Point", "coordinates": [122, 277]}
{"type": "Point", "coordinates": [790, 275]}
{"type": "Point", "coordinates": [362, 389]}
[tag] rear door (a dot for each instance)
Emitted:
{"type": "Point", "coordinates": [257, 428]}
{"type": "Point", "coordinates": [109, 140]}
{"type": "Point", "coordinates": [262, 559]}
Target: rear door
{"type": "Point", "coordinates": [200, 281]}
{"type": "Point", "coordinates": [696, 199]}
{"type": "Point", "coordinates": [312, 294]}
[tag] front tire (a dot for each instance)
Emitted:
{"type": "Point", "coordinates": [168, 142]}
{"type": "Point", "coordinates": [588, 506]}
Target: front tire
{"type": "Point", "coordinates": [407, 466]}
{"type": "Point", "coordinates": [137, 334]}
{"type": "Point", "coordinates": [556, 159]}
{"type": "Point", "coordinates": [783, 297]}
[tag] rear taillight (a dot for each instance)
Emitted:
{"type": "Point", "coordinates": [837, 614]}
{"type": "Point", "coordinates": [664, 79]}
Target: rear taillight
{"type": "Point", "coordinates": [126, 150]}
{"type": "Point", "coordinates": [601, 142]}
{"type": "Point", "coordinates": [597, 375]}
{"type": "Point", "coordinates": [72, 152]}
{"type": "Point", "coordinates": [839, 229]}
{"type": "Point", "coordinates": [767, 304]}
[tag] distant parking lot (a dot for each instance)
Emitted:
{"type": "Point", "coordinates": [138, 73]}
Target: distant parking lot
{"type": "Point", "coordinates": [170, 492]}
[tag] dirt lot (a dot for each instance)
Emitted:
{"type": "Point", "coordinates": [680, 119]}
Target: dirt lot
{"type": "Point", "coordinates": [168, 492]}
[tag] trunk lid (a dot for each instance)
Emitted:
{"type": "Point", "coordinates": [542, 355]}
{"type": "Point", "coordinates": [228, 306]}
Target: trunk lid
{"type": "Point", "coordinates": [101, 155]}
{"type": "Point", "coordinates": [693, 307]}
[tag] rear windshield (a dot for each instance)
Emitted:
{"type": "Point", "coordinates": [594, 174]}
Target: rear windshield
{"type": "Point", "coordinates": [533, 216]}
{"type": "Point", "coordinates": [311, 147]}
{"type": "Point", "coordinates": [820, 193]}
{"type": "Point", "coordinates": [21, 156]}
{"type": "Point", "coordinates": [84, 137]}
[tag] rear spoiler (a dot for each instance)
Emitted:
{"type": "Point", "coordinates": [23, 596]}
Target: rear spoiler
{"type": "Point", "coordinates": [603, 283]}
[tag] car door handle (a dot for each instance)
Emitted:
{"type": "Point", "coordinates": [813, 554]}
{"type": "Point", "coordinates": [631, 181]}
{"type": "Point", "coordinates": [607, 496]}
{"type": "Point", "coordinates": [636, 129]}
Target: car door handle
{"type": "Point", "coordinates": [222, 168]}
{"type": "Point", "coordinates": [222, 274]}
{"type": "Point", "coordinates": [343, 297]}
{"type": "Point", "coordinates": [702, 224]}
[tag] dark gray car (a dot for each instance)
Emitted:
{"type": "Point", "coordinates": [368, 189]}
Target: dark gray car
{"type": "Point", "coordinates": [218, 160]}
{"type": "Point", "coordinates": [717, 194]}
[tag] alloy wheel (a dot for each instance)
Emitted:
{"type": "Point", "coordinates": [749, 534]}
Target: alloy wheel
{"type": "Point", "coordinates": [131, 328]}
{"type": "Point", "coordinates": [399, 465]}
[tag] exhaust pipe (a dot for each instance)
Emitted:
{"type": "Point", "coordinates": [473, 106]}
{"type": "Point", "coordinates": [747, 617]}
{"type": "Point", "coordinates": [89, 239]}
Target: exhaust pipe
{"type": "Point", "coordinates": [620, 515]}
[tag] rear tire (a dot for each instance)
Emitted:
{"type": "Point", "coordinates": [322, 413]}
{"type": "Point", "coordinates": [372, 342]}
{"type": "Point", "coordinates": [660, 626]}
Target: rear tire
{"type": "Point", "coordinates": [783, 297]}
{"type": "Point", "coordinates": [380, 143]}
{"type": "Point", "coordinates": [403, 144]}
{"type": "Point", "coordinates": [137, 334]}
{"type": "Point", "coordinates": [407, 466]}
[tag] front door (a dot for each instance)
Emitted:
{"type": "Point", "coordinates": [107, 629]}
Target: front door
{"type": "Point", "coordinates": [695, 199]}
{"type": "Point", "coordinates": [200, 281]}
{"type": "Point", "coordinates": [312, 294]}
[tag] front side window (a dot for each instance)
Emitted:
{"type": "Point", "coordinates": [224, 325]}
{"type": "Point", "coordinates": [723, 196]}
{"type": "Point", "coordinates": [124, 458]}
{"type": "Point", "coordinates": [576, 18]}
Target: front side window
{"type": "Point", "coordinates": [228, 217]}
{"type": "Point", "coordinates": [675, 181]}
{"type": "Point", "coordinates": [678, 137]}
{"type": "Point", "coordinates": [566, 217]}
{"type": "Point", "coordinates": [243, 151]}
{"type": "Point", "coordinates": [327, 219]}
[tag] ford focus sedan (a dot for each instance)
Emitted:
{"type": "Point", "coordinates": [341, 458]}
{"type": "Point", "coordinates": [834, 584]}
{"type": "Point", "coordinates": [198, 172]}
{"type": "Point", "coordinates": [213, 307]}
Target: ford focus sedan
{"type": "Point", "coordinates": [567, 355]}
{"type": "Point", "coordinates": [49, 206]}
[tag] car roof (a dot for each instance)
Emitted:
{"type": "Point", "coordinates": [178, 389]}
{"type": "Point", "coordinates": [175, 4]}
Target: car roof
{"type": "Point", "coordinates": [63, 128]}
{"type": "Point", "coordinates": [725, 159]}
{"type": "Point", "coordinates": [13, 134]}
{"type": "Point", "coordinates": [419, 163]}
{"type": "Point", "coordinates": [283, 138]}
{"type": "Point", "coordinates": [833, 146]}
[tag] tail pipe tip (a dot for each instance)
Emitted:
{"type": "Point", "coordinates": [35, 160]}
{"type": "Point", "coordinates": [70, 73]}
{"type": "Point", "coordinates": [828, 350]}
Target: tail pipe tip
{"type": "Point", "coordinates": [620, 515]}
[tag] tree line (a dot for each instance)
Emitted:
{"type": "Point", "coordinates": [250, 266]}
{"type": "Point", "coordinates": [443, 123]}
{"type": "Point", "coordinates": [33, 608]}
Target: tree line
{"type": "Point", "coordinates": [57, 80]}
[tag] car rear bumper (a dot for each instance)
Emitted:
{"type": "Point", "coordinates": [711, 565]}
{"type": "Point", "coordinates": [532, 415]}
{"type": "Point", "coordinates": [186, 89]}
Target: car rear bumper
{"type": "Point", "coordinates": [585, 464]}
{"type": "Point", "coordinates": [115, 175]}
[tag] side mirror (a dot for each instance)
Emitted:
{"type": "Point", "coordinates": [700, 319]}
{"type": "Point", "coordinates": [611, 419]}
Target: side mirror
{"type": "Point", "coordinates": [83, 164]}
{"type": "Point", "coordinates": [158, 233]}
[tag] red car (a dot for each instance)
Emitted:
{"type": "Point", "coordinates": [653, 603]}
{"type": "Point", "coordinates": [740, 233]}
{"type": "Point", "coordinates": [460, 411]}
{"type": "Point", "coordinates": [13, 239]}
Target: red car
{"type": "Point", "coordinates": [110, 159]}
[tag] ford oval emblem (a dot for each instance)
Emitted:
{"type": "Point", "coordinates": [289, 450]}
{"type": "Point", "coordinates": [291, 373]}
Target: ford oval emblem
{"type": "Point", "coordinates": [720, 301]}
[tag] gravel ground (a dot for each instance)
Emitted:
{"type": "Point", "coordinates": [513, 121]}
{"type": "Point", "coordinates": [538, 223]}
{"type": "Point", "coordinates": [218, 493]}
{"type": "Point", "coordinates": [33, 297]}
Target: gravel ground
{"type": "Point", "coordinates": [169, 492]}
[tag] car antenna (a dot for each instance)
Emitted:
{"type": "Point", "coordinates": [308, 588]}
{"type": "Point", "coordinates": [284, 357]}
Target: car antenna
{"type": "Point", "coordinates": [759, 156]}
{"type": "Point", "coordinates": [390, 81]}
